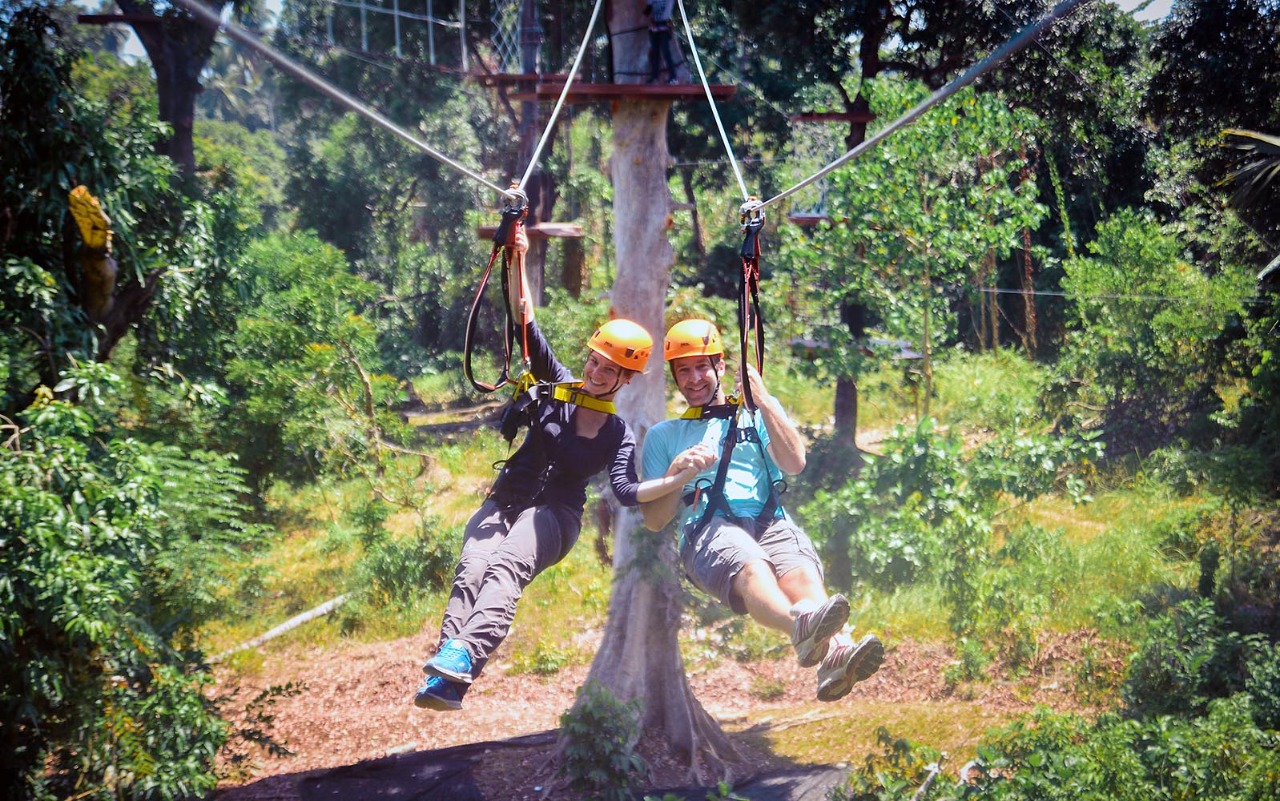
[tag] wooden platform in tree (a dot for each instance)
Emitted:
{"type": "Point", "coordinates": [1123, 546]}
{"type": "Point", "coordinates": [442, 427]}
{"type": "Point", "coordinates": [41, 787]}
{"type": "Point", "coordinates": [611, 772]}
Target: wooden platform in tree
{"type": "Point", "coordinates": [599, 92]}
{"type": "Point", "coordinates": [524, 79]}
{"type": "Point", "coordinates": [801, 218]}
{"type": "Point", "coordinates": [546, 230]}
{"type": "Point", "coordinates": [833, 116]}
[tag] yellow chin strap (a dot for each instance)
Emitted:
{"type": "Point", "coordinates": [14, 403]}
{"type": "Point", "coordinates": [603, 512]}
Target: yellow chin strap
{"type": "Point", "coordinates": [572, 393]}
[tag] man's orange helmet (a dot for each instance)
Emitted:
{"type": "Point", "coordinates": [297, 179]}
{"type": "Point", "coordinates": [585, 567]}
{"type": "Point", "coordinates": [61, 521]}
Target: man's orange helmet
{"type": "Point", "coordinates": [624, 343]}
{"type": "Point", "coordinates": [691, 338]}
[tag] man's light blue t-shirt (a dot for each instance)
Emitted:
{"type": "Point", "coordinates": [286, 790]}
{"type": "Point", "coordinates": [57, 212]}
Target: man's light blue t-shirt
{"type": "Point", "coordinates": [746, 486]}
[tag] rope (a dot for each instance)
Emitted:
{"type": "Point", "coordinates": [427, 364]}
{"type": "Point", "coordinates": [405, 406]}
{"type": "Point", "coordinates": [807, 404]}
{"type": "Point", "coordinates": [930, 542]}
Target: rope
{"type": "Point", "coordinates": [715, 112]}
{"type": "Point", "coordinates": [207, 15]}
{"type": "Point", "coordinates": [577, 61]}
{"type": "Point", "coordinates": [984, 66]}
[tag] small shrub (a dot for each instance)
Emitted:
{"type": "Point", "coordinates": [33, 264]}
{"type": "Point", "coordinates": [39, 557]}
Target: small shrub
{"type": "Point", "coordinates": [368, 516]}
{"type": "Point", "coordinates": [970, 665]}
{"type": "Point", "coordinates": [545, 660]}
{"type": "Point", "coordinates": [897, 772]}
{"type": "Point", "coordinates": [600, 734]}
{"type": "Point", "coordinates": [767, 689]}
{"type": "Point", "coordinates": [1188, 659]}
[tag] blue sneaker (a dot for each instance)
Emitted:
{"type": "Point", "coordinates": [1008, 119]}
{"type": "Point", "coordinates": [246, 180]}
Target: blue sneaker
{"type": "Point", "coordinates": [452, 661]}
{"type": "Point", "coordinates": [439, 694]}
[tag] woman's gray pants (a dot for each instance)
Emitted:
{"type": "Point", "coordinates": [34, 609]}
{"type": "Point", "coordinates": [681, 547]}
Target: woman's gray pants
{"type": "Point", "coordinates": [499, 559]}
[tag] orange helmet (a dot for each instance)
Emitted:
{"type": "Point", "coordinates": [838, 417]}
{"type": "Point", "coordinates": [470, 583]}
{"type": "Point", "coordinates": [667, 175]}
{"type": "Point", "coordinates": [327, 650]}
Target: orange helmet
{"type": "Point", "coordinates": [623, 342]}
{"type": "Point", "coordinates": [691, 338]}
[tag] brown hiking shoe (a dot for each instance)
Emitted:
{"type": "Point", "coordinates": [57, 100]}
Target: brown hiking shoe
{"type": "Point", "coordinates": [847, 665]}
{"type": "Point", "coordinates": [812, 631]}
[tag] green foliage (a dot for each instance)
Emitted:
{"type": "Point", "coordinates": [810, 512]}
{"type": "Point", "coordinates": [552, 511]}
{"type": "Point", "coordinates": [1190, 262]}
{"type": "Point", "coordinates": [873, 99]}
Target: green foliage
{"type": "Point", "coordinates": [600, 734]}
{"type": "Point", "coordinates": [250, 160]}
{"type": "Point", "coordinates": [1259, 412]}
{"type": "Point", "coordinates": [898, 506]}
{"type": "Point", "coordinates": [53, 137]}
{"type": "Point", "coordinates": [997, 391]}
{"type": "Point", "coordinates": [926, 208]}
{"type": "Point", "coordinates": [1146, 319]}
{"type": "Point", "coordinates": [297, 369]}
{"type": "Point", "coordinates": [897, 772]}
{"type": "Point", "coordinates": [546, 659]}
{"type": "Point", "coordinates": [106, 554]}
{"type": "Point", "coordinates": [923, 511]}
{"type": "Point", "coordinates": [1190, 658]}
{"type": "Point", "coordinates": [1052, 757]}
{"type": "Point", "coordinates": [394, 571]}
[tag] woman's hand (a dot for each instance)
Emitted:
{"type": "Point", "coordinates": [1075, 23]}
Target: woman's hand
{"type": "Point", "coordinates": [520, 238]}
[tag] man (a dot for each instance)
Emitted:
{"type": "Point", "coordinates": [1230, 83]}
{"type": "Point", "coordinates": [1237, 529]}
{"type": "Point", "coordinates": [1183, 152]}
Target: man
{"type": "Point", "coordinates": [659, 13]}
{"type": "Point", "coordinates": [736, 542]}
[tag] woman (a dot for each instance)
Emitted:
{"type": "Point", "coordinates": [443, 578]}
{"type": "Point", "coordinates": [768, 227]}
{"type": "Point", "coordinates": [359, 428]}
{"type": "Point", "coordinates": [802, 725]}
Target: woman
{"type": "Point", "coordinates": [533, 512]}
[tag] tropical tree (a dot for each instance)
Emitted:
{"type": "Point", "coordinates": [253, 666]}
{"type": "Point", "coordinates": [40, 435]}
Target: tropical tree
{"type": "Point", "coordinates": [928, 214]}
{"type": "Point", "coordinates": [178, 47]}
{"type": "Point", "coordinates": [1255, 196]}
{"type": "Point", "coordinates": [1145, 356]}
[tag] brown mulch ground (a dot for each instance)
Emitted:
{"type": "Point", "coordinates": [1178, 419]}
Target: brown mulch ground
{"type": "Point", "coordinates": [356, 705]}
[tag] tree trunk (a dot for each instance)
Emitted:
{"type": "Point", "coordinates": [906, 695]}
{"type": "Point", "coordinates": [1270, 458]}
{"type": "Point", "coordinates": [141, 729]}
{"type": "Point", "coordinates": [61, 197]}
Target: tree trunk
{"type": "Point", "coordinates": [1028, 297]}
{"type": "Point", "coordinates": [639, 658]}
{"type": "Point", "coordinates": [179, 48]}
{"type": "Point", "coordinates": [994, 299]}
{"type": "Point", "coordinates": [573, 270]}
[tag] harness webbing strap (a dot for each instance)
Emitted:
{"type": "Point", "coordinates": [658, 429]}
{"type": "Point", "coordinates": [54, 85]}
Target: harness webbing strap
{"type": "Point", "coordinates": [510, 215]}
{"type": "Point", "coordinates": [722, 411]}
{"type": "Point", "coordinates": [572, 393]}
{"type": "Point", "coordinates": [749, 317]}
{"type": "Point", "coordinates": [716, 500]}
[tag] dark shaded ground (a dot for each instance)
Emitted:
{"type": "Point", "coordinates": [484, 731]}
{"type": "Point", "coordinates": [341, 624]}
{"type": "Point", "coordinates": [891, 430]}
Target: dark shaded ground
{"type": "Point", "coordinates": [447, 775]}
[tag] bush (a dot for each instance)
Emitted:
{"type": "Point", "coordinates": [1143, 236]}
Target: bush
{"type": "Point", "coordinates": [599, 735]}
{"type": "Point", "coordinates": [1190, 658]}
{"type": "Point", "coordinates": [395, 569]}
{"type": "Point", "coordinates": [105, 554]}
{"type": "Point", "coordinates": [1052, 757]}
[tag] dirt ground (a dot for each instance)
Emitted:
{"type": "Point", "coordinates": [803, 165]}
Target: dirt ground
{"type": "Point", "coordinates": [355, 704]}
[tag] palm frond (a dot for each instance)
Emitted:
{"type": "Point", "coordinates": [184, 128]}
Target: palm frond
{"type": "Point", "coordinates": [1260, 154]}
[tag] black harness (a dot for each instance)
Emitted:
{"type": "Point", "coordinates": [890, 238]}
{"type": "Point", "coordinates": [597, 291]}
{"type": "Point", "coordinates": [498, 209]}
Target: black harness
{"type": "Point", "coordinates": [717, 503]}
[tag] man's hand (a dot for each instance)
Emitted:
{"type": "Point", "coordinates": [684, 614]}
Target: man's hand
{"type": "Point", "coordinates": [94, 224]}
{"type": "Point", "coordinates": [694, 460]}
{"type": "Point", "coordinates": [758, 392]}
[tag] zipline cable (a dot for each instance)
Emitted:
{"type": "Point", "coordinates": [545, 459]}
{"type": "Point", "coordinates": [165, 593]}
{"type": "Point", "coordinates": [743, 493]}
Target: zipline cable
{"type": "Point", "coordinates": [979, 69]}
{"type": "Point", "coordinates": [197, 9]}
{"type": "Point", "coordinates": [724, 137]}
{"type": "Point", "coordinates": [577, 61]}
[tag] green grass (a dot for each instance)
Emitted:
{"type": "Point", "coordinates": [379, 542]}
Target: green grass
{"type": "Point", "coordinates": [1107, 563]}
{"type": "Point", "coordinates": [819, 734]}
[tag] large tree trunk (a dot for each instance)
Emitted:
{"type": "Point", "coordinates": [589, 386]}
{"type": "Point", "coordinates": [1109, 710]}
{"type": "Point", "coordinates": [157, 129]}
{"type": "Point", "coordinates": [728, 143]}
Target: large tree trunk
{"type": "Point", "coordinates": [178, 48]}
{"type": "Point", "coordinates": [639, 658]}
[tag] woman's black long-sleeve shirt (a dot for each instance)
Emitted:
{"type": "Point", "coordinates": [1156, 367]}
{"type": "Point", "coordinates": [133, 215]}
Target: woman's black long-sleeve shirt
{"type": "Point", "coordinates": [554, 464]}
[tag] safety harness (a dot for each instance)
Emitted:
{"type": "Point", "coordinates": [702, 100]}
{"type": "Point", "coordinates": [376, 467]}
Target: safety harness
{"type": "Point", "coordinates": [749, 317]}
{"type": "Point", "coordinates": [716, 500]}
{"type": "Point", "coordinates": [511, 214]}
{"type": "Point", "coordinates": [519, 412]}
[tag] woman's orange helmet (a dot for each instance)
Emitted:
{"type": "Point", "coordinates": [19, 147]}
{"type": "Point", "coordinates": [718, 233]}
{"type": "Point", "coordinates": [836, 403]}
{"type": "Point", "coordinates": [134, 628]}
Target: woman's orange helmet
{"type": "Point", "coordinates": [624, 343]}
{"type": "Point", "coordinates": [691, 338]}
